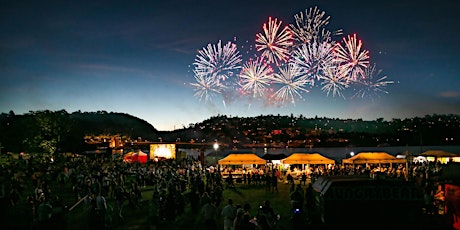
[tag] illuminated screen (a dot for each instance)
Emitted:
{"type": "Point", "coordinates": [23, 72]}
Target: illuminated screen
{"type": "Point", "coordinates": [163, 150]}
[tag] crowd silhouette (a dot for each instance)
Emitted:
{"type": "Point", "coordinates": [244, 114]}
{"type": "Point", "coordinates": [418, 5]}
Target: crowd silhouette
{"type": "Point", "coordinates": [38, 182]}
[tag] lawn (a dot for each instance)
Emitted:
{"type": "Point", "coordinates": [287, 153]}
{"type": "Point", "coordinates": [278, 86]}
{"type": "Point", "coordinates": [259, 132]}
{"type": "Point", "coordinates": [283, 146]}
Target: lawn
{"type": "Point", "coordinates": [19, 216]}
{"type": "Point", "coordinates": [254, 195]}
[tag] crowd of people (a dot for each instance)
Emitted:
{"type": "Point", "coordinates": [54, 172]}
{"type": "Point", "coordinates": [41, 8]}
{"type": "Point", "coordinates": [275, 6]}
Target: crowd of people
{"type": "Point", "coordinates": [106, 186]}
{"type": "Point", "coordinates": [39, 181]}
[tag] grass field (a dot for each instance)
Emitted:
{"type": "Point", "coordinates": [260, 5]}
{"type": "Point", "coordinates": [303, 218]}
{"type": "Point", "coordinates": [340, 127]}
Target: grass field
{"type": "Point", "coordinates": [254, 195]}
{"type": "Point", "coordinates": [19, 216]}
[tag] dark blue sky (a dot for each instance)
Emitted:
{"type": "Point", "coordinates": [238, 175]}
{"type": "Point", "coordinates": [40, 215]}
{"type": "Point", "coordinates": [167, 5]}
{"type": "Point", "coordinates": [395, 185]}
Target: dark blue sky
{"type": "Point", "coordinates": [136, 56]}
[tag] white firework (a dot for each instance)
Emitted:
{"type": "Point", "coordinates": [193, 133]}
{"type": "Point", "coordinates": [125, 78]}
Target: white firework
{"type": "Point", "coordinates": [313, 59]}
{"type": "Point", "coordinates": [305, 55]}
{"type": "Point", "coordinates": [206, 86]}
{"type": "Point", "coordinates": [274, 42]}
{"type": "Point", "coordinates": [351, 58]}
{"type": "Point", "coordinates": [333, 82]}
{"type": "Point", "coordinates": [292, 82]}
{"type": "Point", "coordinates": [311, 27]}
{"type": "Point", "coordinates": [218, 61]}
{"type": "Point", "coordinates": [371, 85]}
{"type": "Point", "coordinates": [255, 76]}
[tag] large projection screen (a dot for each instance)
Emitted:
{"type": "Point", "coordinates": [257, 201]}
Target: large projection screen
{"type": "Point", "coordinates": [163, 151]}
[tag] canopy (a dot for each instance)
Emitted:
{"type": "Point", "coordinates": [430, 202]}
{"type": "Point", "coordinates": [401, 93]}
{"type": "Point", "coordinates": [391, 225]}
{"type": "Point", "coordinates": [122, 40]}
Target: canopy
{"type": "Point", "coordinates": [307, 158]}
{"type": "Point", "coordinates": [242, 159]}
{"type": "Point", "coordinates": [127, 156]}
{"type": "Point", "coordinates": [138, 156]}
{"type": "Point", "coordinates": [438, 154]}
{"type": "Point", "coordinates": [373, 158]}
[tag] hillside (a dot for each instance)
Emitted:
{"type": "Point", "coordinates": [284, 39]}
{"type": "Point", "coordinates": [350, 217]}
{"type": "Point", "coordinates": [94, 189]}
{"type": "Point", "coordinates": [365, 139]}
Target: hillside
{"type": "Point", "coordinates": [50, 131]}
{"type": "Point", "coordinates": [59, 131]}
{"type": "Point", "coordinates": [301, 132]}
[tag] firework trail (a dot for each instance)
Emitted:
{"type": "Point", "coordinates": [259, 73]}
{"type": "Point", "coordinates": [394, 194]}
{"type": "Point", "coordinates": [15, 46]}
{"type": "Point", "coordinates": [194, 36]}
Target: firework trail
{"type": "Point", "coordinates": [352, 60]}
{"type": "Point", "coordinates": [218, 61]}
{"type": "Point", "coordinates": [372, 85]}
{"type": "Point", "coordinates": [273, 42]}
{"type": "Point", "coordinates": [311, 27]}
{"type": "Point", "coordinates": [293, 84]}
{"type": "Point", "coordinates": [334, 82]}
{"type": "Point", "coordinates": [313, 59]}
{"type": "Point", "coordinates": [255, 76]}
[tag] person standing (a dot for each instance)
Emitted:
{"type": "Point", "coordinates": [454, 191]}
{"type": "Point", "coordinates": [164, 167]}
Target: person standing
{"type": "Point", "coordinates": [154, 209]}
{"type": "Point", "coordinates": [309, 202]}
{"type": "Point", "coordinates": [304, 178]}
{"type": "Point", "coordinates": [209, 213]}
{"type": "Point", "coordinates": [44, 213]}
{"type": "Point", "coordinates": [120, 197]}
{"type": "Point", "coordinates": [274, 182]}
{"type": "Point", "coordinates": [101, 209]}
{"type": "Point", "coordinates": [229, 214]}
{"type": "Point", "coordinates": [297, 197]}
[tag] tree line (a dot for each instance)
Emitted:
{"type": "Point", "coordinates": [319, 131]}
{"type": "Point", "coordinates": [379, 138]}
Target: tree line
{"type": "Point", "coordinates": [48, 131]}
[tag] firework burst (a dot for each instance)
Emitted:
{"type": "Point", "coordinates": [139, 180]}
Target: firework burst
{"type": "Point", "coordinates": [285, 62]}
{"type": "Point", "coordinates": [292, 82]}
{"type": "Point", "coordinates": [333, 82]}
{"type": "Point", "coordinates": [351, 58]}
{"type": "Point", "coordinates": [311, 27]}
{"type": "Point", "coordinates": [274, 42]}
{"type": "Point", "coordinates": [313, 59]}
{"type": "Point", "coordinates": [218, 61]}
{"type": "Point", "coordinates": [255, 76]}
{"type": "Point", "coordinates": [372, 85]}
{"type": "Point", "coordinates": [206, 86]}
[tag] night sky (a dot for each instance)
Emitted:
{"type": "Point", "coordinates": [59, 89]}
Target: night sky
{"type": "Point", "coordinates": [137, 57]}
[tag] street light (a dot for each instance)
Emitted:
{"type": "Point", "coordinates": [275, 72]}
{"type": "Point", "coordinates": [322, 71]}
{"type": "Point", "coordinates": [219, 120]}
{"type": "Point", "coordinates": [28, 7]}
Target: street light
{"type": "Point", "coordinates": [216, 147]}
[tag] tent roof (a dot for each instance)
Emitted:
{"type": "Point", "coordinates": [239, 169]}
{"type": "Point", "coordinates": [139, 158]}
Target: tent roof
{"type": "Point", "coordinates": [307, 158]}
{"type": "Point", "coordinates": [134, 153]}
{"type": "Point", "coordinates": [129, 153]}
{"type": "Point", "coordinates": [242, 159]}
{"type": "Point", "coordinates": [373, 158]}
{"type": "Point", "coordinates": [439, 153]}
{"type": "Point", "coordinates": [139, 153]}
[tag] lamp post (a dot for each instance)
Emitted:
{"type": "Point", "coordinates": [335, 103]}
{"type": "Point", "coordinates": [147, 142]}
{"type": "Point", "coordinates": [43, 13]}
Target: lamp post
{"type": "Point", "coordinates": [216, 147]}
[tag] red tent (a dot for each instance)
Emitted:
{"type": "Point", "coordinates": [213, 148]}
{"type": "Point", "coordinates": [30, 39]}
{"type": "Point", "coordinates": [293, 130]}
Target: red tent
{"type": "Point", "coordinates": [138, 156]}
{"type": "Point", "coordinates": [127, 157]}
